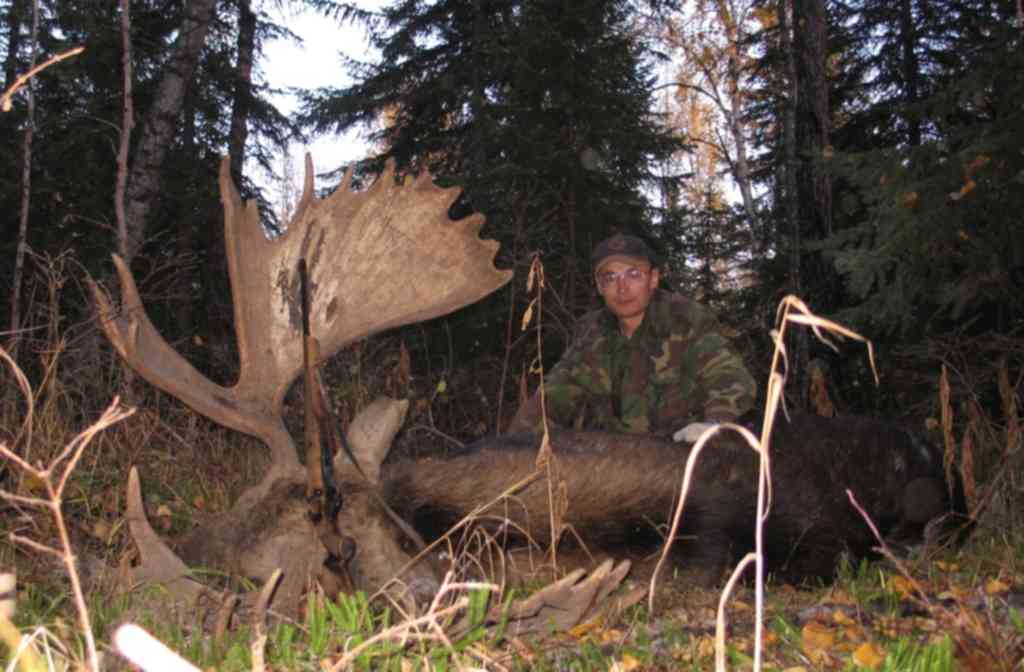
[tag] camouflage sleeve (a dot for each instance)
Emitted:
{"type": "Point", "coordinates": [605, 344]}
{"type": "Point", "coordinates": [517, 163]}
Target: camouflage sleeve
{"type": "Point", "coordinates": [565, 389]}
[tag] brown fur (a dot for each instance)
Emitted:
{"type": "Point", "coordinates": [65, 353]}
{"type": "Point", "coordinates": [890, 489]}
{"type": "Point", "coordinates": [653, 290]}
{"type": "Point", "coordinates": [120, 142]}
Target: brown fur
{"type": "Point", "coordinates": [620, 486]}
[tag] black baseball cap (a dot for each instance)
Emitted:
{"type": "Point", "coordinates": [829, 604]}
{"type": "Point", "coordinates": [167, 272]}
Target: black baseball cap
{"type": "Point", "coordinates": [624, 246]}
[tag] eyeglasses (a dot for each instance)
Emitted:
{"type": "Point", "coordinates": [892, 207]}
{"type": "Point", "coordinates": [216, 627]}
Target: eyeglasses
{"type": "Point", "coordinates": [630, 276]}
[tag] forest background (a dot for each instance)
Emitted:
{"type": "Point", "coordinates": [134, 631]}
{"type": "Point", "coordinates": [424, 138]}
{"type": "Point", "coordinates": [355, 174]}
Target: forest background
{"type": "Point", "coordinates": [867, 156]}
{"type": "Point", "coordinates": [864, 156]}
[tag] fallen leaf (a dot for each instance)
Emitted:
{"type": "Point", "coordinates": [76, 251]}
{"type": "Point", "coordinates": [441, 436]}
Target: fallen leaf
{"type": "Point", "coordinates": [947, 566]}
{"type": "Point", "coordinates": [816, 640]}
{"type": "Point", "coordinates": [995, 587]}
{"type": "Point", "coordinates": [854, 633]}
{"type": "Point", "coordinates": [869, 655]}
{"type": "Point", "coordinates": [706, 647]}
{"type": "Point", "coordinates": [629, 662]}
{"type": "Point", "coordinates": [903, 586]}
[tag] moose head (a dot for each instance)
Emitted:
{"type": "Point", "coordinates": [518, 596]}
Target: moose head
{"type": "Point", "coordinates": [376, 259]}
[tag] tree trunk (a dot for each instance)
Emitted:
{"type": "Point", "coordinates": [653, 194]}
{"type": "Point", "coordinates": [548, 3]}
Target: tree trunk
{"type": "Point", "coordinates": [242, 103]}
{"type": "Point", "coordinates": [26, 192]}
{"type": "Point", "coordinates": [812, 116]}
{"type": "Point", "coordinates": [814, 182]}
{"type": "Point", "coordinates": [791, 168]}
{"type": "Point", "coordinates": [161, 120]}
{"type": "Point", "coordinates": [911, 68]}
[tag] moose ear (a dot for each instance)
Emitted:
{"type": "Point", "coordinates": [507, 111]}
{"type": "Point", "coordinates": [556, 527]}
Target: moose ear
{"type": "Point", "coordinates": [371, 433]}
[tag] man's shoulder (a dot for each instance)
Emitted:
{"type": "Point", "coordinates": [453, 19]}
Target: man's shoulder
{"type": "Point", "coordinates": [676, 313]}
{"type": "Point", "coordinates": [591, 324]}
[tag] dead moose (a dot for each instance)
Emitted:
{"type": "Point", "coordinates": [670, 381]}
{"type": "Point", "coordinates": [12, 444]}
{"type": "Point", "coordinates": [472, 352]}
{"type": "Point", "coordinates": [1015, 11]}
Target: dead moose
{"type": "Point", "coordinates": [619, 487]}
{"type": "Point", "coordinates": [390, 256]}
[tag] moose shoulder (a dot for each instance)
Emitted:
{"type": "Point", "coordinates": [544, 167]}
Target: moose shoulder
{"type": "Point", "coordinates": [619, 486]}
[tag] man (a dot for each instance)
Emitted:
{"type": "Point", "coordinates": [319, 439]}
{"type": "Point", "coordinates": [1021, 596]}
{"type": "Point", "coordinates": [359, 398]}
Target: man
{"type": "Point", "coordinates": [650, 361]}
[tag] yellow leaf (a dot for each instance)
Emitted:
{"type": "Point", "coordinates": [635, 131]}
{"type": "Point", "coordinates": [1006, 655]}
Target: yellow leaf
{"type": "Point", "coordinates": [903, 586]}
{"type": "Point", "coordinates": [583, 629]}
{"type": "Point", "coordinates": [869, 655]}
{"type": "Point", "coordinates": [611, 635]}
{"type": "Point", "coordinates": [31, 485]}
{"type": "Point", "coordinates": [995, 587]}
{"type": "Point", "coordinates": [442, 386]}
{"type": "Point", "coordinates": [947, 566]}
{"type": "Point", "coordinates": [740, 605]}
{"type": "Point", "coordinates": [839, 617]}
{"type": "Point", "coordinates": [163, 511]}
{"type": "Point", "coordinates": [816, 640]}
{"type": "Point", "coordinates": [629, 662]}
{"type": "Point", "coordinates": [706, 647]}
{"type": "Point", "coordinates": [854, 633]}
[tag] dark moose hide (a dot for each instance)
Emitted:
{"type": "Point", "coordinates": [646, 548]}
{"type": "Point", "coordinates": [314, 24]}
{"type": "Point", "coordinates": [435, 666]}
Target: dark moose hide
{"type": "Point", "coordinates": [621, 485]}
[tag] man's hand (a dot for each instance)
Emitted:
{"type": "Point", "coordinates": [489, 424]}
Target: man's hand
{"type": "Point", "coordinates": [692, 431]}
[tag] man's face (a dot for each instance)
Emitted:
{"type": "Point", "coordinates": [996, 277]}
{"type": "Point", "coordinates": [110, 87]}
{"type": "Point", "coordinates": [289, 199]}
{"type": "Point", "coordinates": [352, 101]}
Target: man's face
{"type": "Point", "coordinates": [626, 285]}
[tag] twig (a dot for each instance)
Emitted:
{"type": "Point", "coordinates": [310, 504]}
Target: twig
{"type": "Point", "coordinates": [5, 102]}
{"type": "Point", "coordinates": [884, 549]}
{"type": "Point", "coordinates": [70, 456]}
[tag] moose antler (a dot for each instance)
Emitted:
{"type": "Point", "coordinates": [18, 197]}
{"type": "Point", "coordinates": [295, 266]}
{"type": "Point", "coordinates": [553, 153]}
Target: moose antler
{"type": "Point", "coordinates": [377, 259]}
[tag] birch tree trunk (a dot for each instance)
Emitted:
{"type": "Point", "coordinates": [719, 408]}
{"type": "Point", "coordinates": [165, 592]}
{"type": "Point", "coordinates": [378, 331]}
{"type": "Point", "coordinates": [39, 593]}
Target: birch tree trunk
{"type": "Point", "coordinates": [161, 120]}
{"type": "Point", "coordinates": [26, 191]}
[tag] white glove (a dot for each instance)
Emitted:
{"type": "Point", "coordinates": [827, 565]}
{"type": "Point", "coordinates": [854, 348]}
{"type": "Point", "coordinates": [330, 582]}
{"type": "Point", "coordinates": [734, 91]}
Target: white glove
{"type": "Point", "coordinates": [692, 431]}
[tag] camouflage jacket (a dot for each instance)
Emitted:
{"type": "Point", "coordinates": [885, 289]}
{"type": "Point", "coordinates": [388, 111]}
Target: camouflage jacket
{"type": "Point", "coordinates": [677, 368]}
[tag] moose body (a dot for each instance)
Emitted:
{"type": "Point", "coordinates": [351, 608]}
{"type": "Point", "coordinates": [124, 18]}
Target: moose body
{"type": "Point", "coordinates": [618, 487]}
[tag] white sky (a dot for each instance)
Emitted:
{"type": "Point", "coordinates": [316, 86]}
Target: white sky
{"type": "Point", "coordinates": [315, 63]}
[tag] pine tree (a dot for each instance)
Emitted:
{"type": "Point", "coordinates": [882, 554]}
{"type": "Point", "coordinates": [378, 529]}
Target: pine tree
{"type": "Point", "coordinates": [542, 112]}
